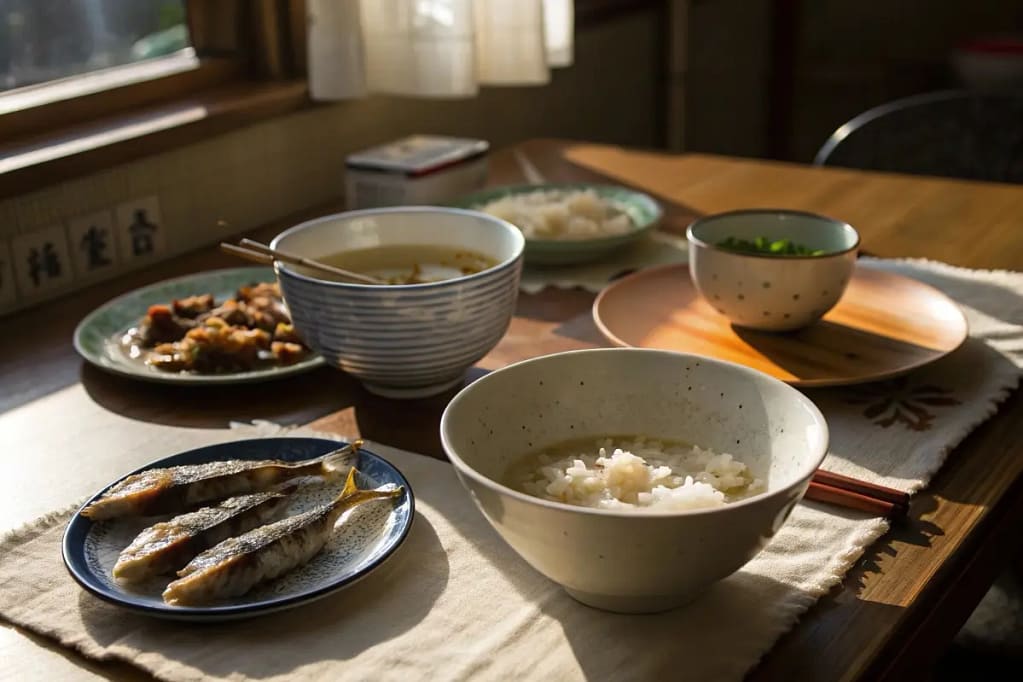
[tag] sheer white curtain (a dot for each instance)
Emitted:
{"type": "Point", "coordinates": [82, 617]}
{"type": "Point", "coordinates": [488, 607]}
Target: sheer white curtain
{"type": "Point", "coordinates": [434, 48]}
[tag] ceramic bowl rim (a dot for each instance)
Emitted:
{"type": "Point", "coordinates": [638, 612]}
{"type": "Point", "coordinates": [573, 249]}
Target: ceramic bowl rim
{"type": "Point", "coordinates": [834, 222]}
{"type": "Point", "coordinates": [463, 468]}
{"type": "Point", "coordinates": [517, 238]}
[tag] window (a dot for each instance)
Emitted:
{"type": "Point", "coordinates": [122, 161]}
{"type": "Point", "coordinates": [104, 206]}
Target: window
{"type": "Point", "coordinates": [85, 84]}
{"type": "Point", "coordinates": [56, 39]}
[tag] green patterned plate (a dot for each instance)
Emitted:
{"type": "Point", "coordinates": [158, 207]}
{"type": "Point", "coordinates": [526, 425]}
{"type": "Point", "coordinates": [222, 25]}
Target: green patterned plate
{"type": "Point", "coordinates": [644, 211]}
{"type": "Point", "coordinates": [95, 336]}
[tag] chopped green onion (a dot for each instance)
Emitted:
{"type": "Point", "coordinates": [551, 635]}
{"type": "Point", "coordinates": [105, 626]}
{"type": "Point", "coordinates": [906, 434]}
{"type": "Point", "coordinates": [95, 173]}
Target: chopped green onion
{"type": "Point", "coordinates": [778, 247]}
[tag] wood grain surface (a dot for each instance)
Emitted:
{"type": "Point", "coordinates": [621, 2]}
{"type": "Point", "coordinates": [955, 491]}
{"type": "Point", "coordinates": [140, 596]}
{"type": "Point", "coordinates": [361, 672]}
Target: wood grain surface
{"type": "Point", "coordinates": [973, 224]}
{"type": "Point", "coordinates": [883, 326]}
{"type": "Point", "coordinates": [68, 428]}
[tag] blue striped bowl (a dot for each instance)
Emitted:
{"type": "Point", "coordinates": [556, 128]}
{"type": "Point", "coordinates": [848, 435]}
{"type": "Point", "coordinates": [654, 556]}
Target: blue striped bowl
{"type": "Point", "coordinates": [403, 341]}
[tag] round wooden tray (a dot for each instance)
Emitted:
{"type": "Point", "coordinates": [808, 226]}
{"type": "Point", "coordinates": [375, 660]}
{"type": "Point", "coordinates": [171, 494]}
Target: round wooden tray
{"type": "Point", "coordinates": [884, 325]}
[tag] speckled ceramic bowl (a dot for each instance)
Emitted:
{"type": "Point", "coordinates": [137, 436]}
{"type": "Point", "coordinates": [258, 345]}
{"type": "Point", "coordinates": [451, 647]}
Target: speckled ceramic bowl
{"type": "Point", "coordinates": [772, 293]}
{"type": "Point", "coordinates": [403, 341]}
{"type": "Point", "coordinates": [620, 560]}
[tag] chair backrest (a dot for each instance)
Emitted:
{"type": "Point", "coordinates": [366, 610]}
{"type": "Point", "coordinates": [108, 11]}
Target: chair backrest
{"type": "Point", "coordinates": [950, 133]}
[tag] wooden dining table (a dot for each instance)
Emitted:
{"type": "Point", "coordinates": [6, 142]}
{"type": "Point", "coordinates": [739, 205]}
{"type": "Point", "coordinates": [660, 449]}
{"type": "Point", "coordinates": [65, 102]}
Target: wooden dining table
{"type": "Point", "coordinates": [67, 428]}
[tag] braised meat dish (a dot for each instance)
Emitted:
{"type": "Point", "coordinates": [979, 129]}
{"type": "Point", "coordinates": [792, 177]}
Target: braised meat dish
{"type": "Point", "coordinates": [196, 334]}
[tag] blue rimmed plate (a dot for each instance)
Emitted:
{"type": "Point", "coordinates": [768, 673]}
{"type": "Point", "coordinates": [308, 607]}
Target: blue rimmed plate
{"type": "Point", "coordinates": [363, 539]}
{"type": "Point", "coordinates": [96, 335]}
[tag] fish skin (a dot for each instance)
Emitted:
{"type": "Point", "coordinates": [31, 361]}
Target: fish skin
{"type": "Point", "coordinates": [238, 564]}
{"type": "Point", "coordinates": [178, 489]}
{"type": "Point", "coordinates": [169, 545]}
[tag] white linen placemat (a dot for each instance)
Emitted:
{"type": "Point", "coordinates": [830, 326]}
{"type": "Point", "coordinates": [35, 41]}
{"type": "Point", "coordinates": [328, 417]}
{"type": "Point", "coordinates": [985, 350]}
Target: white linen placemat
{"type": "Point", "coordinates": [456, 603]}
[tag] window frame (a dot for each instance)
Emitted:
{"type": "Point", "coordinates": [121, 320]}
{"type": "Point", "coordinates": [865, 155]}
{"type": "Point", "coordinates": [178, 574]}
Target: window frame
{"type": "Point", "coordinates": [37, 109]}
{"type": "Point", "coordinates": [247, 61]}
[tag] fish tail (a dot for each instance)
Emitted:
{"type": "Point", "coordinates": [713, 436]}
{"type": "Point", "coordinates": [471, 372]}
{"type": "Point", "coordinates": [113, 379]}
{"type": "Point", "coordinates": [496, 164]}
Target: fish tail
{"type": "Point", "coordinates": [352, 494]}
{"type": "Point", "coordinates": [340, 461]}
{"type": "Point", "coordinates": [351, 487]}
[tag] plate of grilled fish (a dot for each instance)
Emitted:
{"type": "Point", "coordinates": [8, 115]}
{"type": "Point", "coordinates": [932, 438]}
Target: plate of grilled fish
{"type": "Point", "coordinates": [224, 326]}
{"type": "Point", "coordinates": [240, 529]}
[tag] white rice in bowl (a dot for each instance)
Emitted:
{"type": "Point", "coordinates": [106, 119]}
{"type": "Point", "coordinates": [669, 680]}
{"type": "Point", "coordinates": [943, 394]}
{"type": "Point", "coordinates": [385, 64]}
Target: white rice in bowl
{"type": "Point", "coordinates": [636, 474]}
{"type": "Point", "coordinates": [561, 214]}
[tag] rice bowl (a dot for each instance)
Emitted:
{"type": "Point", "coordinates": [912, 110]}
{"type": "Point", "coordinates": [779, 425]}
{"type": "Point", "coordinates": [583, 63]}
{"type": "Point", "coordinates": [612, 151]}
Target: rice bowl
{"type": "Point", "coordinates": [561, 214]}
{"type": "Point", "coordinates": [747, 425]}
{"type": "Point", "coordinates": [570, 223]}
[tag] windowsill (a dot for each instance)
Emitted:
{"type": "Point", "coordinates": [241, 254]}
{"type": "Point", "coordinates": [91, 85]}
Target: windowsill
{"type": "Point", "coordinates": [91, 83]}
{"type": "Point", "coordinates": [32, 163]}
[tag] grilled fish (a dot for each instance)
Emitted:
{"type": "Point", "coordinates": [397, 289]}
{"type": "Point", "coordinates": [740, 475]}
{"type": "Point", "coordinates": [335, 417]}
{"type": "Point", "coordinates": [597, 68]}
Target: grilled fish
{"type": "Point", "coordinates": [181, 488]}
{"type": "Point", "coordinates": [169, 545]}
{"type": "Point", "coordinates": [238, 564]}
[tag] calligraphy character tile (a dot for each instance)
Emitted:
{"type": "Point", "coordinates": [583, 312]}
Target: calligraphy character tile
{"type": "Point", "coordinates": [93, 243]}
{"type": "Point", "coordinates": [42, 262]}
{"type": "Point", "coordinates": [140, 229]}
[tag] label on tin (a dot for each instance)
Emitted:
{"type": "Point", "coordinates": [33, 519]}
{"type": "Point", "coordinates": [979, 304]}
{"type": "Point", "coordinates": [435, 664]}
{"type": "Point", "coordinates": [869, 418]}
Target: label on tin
{"type": "Point", "coordinates": [417, 154]}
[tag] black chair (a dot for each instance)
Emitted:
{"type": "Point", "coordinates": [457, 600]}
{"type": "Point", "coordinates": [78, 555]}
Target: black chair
{"type": "Point", "coordinates": [954, 134]}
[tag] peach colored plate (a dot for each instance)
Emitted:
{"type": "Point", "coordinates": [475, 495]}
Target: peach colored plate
{"type": "Point", "coordinates": [883, 326]}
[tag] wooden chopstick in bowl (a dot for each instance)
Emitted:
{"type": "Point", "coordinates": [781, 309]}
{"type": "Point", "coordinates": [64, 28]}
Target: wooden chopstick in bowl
{"type": "Point", "coordinates": [261, 253]}
{"type": "Point", "coordinates": [286, 257]}
{"type": "Point", "coordinates": [247, 254]}
{"type": "Point", "coordinates": [852, 493]}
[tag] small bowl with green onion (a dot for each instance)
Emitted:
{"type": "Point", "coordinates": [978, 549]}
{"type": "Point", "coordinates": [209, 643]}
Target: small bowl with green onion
{"type": "Point", "coordinates": [774, 270]}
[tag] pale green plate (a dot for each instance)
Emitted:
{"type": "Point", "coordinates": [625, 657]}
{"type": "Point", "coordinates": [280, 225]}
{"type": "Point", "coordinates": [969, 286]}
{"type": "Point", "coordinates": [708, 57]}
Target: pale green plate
{"type": "Point", "coordinates": [644, 211]}
{"type": "Point", "coordinates": [95, 336]}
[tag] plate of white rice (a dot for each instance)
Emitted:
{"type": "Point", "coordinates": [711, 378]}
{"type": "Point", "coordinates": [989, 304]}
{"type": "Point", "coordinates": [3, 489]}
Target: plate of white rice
{"type": "Point", "coordinates": [635, 474]}
{"type": "Point", "coordinates": [570, 223]}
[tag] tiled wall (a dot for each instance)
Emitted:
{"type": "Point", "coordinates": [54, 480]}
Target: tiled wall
{"type": "Point", "coordinates": [66, 236]}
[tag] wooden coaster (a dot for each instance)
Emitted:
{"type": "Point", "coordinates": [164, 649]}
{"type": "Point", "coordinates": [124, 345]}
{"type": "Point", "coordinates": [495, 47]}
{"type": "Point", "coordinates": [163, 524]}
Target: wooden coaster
{"type": "Point", "coordinates": [884, 325]}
